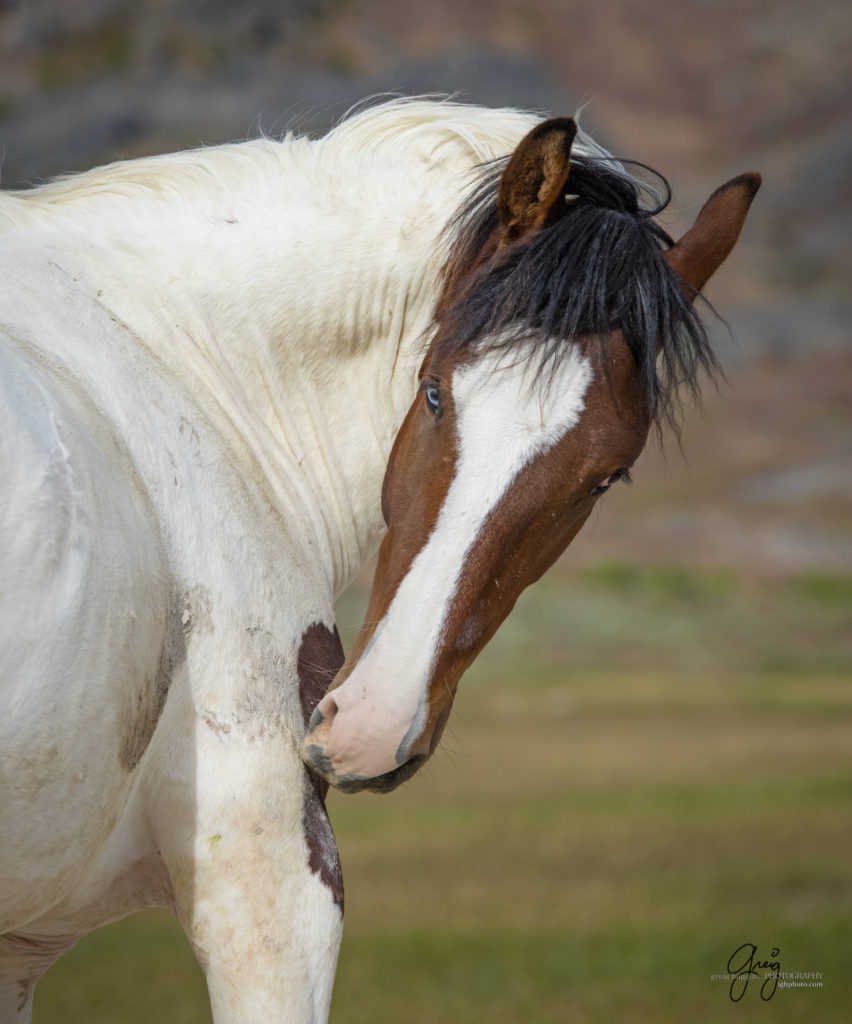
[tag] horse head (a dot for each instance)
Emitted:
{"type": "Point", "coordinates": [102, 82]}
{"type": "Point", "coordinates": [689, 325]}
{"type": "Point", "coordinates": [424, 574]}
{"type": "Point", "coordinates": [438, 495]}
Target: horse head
{"type": "Point", "coordinates": [565, 324]}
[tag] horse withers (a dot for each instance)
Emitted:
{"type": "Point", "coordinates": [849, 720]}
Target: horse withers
{"type": "Point", "coordinates": [228, 376]}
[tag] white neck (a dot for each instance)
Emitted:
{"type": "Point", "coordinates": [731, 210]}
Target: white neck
{"type": "Point", "coordinates": [295, 281]}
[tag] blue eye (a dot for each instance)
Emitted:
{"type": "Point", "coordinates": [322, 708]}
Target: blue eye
{"type": "Point", "coordinates": [433, 398]}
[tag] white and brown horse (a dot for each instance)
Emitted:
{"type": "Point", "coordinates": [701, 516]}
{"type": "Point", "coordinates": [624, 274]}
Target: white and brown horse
{"type": "Point", "coordinates": [209, 364]}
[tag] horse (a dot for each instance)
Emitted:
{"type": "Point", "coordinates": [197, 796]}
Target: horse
{"type": "Point", "coordinates": [229, 376]}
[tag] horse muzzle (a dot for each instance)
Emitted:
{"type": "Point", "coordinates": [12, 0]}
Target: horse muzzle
{"type": "Point", "coordinates": [355, 745]}
{"type": "Point", "coordinates": [318, 761]}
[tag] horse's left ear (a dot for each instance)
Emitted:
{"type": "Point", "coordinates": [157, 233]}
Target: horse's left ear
{"type": "Point", "coordinates": [701, 251]}
{"type": "Point", "coordinates": [532, 189]}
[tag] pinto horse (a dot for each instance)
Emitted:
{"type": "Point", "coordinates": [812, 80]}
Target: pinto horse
{"type": "Point", "coordinates": [228, 376]}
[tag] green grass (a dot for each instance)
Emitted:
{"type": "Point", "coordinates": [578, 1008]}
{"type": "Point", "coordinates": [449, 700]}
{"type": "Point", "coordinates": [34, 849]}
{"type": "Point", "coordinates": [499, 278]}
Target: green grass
{"type": "Point", "coordinates": [134, 972]}
{"type": "Point", "coordinates": [595, 836]}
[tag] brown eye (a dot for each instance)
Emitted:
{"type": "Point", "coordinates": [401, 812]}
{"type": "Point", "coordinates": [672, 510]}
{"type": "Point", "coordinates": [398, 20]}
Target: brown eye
{"type": "Point", "coordinates": [619, 474]}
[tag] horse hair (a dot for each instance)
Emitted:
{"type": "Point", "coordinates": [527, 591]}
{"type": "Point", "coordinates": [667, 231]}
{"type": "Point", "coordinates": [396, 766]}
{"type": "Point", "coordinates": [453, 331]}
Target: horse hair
{"type": "Point", "coordinates": [597, 269]}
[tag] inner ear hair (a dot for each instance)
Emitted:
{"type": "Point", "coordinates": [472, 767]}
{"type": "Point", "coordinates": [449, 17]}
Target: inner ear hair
{"type": "Point", "coordinates": [532, 189]}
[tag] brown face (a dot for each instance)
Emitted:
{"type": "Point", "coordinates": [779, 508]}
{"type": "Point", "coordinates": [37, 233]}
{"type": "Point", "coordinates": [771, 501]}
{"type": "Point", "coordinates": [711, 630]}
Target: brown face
{"type": "Point", "coordinates": [494, 470]}
{"type": "Point", "coordinates": [492, 474]}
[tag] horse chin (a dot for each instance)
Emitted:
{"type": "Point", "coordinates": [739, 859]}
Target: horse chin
{"type": "Point", "coordinates": [318, 762]}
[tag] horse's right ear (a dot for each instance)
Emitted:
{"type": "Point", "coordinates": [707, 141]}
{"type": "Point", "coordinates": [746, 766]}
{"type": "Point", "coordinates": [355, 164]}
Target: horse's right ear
{"type": "Point", "coordinates": [532, 189]}
{"type": "Point", "coordinates": [699, 254]}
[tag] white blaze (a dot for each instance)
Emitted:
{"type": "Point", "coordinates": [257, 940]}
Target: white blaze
{"type": "Point", "coordinates": [505, 417]}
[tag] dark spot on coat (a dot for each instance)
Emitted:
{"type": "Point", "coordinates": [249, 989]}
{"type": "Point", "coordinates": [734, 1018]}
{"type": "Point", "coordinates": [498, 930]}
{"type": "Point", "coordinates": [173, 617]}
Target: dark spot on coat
{"type": "Point", "coordinates": [320, 657]}
{"type": "Point", "coordinates": [323, 858]}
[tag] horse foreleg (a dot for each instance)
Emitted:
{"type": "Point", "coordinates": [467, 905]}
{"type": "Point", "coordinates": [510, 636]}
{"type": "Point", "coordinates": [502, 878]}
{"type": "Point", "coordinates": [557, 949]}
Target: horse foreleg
{"type": "Point", "coordinates": [258, 887]}
{"type": "Point", "coordinates": [23, 960]}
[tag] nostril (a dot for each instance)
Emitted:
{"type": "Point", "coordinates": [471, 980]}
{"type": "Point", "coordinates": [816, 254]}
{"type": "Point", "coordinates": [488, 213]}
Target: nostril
{"type": "Point", "coordinates": [323, 712]}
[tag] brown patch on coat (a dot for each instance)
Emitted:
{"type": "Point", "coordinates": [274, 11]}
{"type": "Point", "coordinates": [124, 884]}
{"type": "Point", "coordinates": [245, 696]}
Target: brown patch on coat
{"type": "Point", "coordinates": [319, 660]}
{"type": "Point", "coordinates": [323, 858]}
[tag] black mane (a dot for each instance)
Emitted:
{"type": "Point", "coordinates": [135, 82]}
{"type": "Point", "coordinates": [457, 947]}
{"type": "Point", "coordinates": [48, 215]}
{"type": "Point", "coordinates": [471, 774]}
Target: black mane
{"type": "Point", "coordinates": [597, 269]}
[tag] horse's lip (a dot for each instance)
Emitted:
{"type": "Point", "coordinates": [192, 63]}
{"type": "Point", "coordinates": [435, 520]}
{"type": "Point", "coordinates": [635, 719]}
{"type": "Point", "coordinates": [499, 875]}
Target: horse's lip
{"type": "Point", "coordinates": [320, 763]}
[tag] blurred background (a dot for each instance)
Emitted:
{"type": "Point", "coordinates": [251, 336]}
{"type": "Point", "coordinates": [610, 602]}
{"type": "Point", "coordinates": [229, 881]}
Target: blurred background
{"type": "Point", "coordinates": [650, 765]}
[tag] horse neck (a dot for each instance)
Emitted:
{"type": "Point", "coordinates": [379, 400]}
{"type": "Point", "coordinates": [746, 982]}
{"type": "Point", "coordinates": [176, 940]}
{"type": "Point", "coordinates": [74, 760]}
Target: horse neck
{"type": "Point", "coordinates": [296, 306]}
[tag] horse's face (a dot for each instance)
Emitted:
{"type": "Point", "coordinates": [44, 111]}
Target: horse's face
{"type": "Point", "coordinates": [492, 474]}
{"type": "Point", "coordinates": [498, 463]}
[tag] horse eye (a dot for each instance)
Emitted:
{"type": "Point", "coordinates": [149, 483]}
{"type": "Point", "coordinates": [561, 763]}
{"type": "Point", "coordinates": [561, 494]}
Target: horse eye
{"type": "Point", "coordinates": [433, 399]}
{"type": "Point", "coordinates": [604, 485]}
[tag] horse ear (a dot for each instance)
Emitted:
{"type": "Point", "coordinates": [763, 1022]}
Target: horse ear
{"type": "Point", "coordinates": [701, 251]}
{"type": "Point", "coordinates": [532, 189]}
